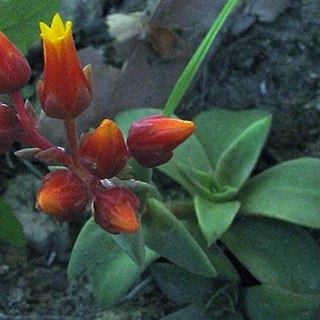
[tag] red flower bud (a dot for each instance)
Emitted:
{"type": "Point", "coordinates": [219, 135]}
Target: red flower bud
{"type": "Point", "coordinates": [10, 128]}
{"type": "Point", "coordinates": [62, 194]}
{"type": "Point", "coordinates": [15, 71]}
{"type": "Point", "coordinates": [104, 151]}
{"type": "Point", "coordinates": [65, 91]}
{"type": "Point", "coordinates": [115, 210]}
{"type": "Point", "coordinates": [152, 139]}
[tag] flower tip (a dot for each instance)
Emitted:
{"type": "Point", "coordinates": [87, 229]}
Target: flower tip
{"type": "Point", "coordinates": [115, 210]}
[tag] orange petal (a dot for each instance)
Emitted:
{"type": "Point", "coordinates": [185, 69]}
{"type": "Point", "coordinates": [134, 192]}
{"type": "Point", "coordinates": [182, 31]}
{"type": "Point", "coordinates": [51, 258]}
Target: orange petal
{"type": "Point", "coordinates": [115, 210]}
{"type": "Point", "coordinates": [151, 140]}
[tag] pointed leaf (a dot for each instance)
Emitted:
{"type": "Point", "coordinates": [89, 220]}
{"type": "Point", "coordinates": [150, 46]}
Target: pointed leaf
{"type": "Point", "coordinates": [180, 285]}
{"type": "Point", "coordinates": [276, 253]}
{"type": "Point", "coordinates": [110, 269]}
{"type": "Point", "coordinates": [224, 268]}
{"type": "Point", "coordinates": [238, 161]}
{"type": "Point", "coordinates": [191, 156]}
{"type": "Point", "coordinates": [215, 218]}
{"type": "Point", "coordinates": [217, 129]}
{"type": "Point", "coordinates": [198, 312]}
{"type": "Point", "coordinates": [289, 191]}
{"type": "Point", "coordinates": [191, 312]}
{"type": "Point", "coordinates": [279, 304]}
{"type": "Point", "coordinates": [166, 235]}
{"type": "Point", "coordinates": [133, 245]}
{"type": "Point", "coordinates": [11, 230]}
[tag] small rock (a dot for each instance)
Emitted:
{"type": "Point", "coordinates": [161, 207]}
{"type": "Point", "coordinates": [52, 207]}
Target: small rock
{"type": "Point", "coordinates": [41, 231]}
{"type": "Point", "coordinates": [267, 10]}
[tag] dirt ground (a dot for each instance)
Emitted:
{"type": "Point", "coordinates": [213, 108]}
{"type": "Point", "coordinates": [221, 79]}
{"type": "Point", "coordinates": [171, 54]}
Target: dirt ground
{"type": "Point", "coordinates": [271, 65]}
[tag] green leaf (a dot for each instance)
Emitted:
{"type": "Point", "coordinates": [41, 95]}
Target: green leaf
{"type": "Point", "coordinates": [20, 18]}
{"type": "Point", "coordinates": [276, 253]}
{"type": "Point", "coordinates": [189, 159]}
{"type": "Point", "coordinates": [166, 235]}
{"type": "Point", "coordinates": [232, 141]}
{"type": "Point", "coordinates": [289, 191]}
{"type": "Point", "coordinates": [237, 162]}
{"type": "Point", "coordinates": [11, 230]}
{"type": "Point", "coordinates": [217, 129]}
{"type": "Point", "coordinates": [180, 285]}
{"type": "Point", "coordinates": [133, 245]}
{"type": "Point", "coordinates": [224, 268]}
{"type": "Point", "coordinates": [279, 304]}
{"type": "Point", "coordinates": [197, 311]}
{"type": "Point", "coordinates": [111, 271]}
{"type": "Point", "coordinates": [197, 58]}
{"type": "Point", "coordinates": [191, 312]}
{"type": "Point", "coordinates": [215, 218]}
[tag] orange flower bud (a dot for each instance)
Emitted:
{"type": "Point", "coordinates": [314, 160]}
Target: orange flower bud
{"type": "Point", "coordinates": [15, 71]}
{"type": "Point", "coordinates": [10, 128]}
{"type": "Point", "coordinates": [104, 151]}
{"type": "Point", "coordinates": [62, 194]}
{"type": "Point", "coordinates": [65, 91]}
{"type": "Point", "coordinates": [152, 139]}
{"type": "Point", "coordinates": [115, 210]}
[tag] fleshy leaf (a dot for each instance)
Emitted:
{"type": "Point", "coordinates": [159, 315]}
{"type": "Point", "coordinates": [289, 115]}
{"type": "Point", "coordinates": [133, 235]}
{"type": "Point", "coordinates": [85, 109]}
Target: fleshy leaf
{"type": "Point", "coordinates": [10, 228]}
{"type": "Point", "coordinates": [133, 245]}
{"type": "Point", "coordinates": [279, 304]}
{"type": "Point", "coordinates": [238, 161]}
{"type": "Point", "coordinates": [232, 141]}
{"type": "Point", "coordinates": [224, 268]}
{"type": "Point", "coordinates": [189, 158]}
{"type": "Point", "coordinates": [215, 218]}
{"type": "Point", "coordinates": [191, 312]}
{"type": "Point", "coordinates": [180, 285]}
{"type": "Point", "coordinates": [22, 26]}
{"type": "Point", "coordinates": [289, 191]}
{"type": "Point", "coordinates": [111, 271]}
{"type": "Point", "coordinates": [197, 311]}
{"type": "Point", "coordinates": [217, 129]}
{"type": "Point", "coordinates": [276, 253]}
{"type": "Point", "coordinates": [166, 235]}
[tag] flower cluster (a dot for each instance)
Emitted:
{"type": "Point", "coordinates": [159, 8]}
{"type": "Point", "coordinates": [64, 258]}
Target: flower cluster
{"type": "Point", "coordinates": [64, 93]}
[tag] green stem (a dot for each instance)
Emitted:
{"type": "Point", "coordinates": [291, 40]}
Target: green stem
{"type": "Point", "coordinates": [196, 60]}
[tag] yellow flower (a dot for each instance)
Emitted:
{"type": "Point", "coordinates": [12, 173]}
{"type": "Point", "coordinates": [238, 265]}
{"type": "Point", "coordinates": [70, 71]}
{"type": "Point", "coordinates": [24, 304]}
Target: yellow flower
{"type": "Point", "coordinates": [66, 89]}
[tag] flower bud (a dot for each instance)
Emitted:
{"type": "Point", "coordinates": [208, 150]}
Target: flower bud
{"type": "Point", "coordinates": [65, 91]}
{"type": "Point", "coordinates": [10, 128]}
{"type": "Point", "coordinates": [15, 71]}
{"type": "Point", "coordinates": [115, 210]}
{"type": "Point", "coordinates": [151, 140]}
{"type": "Point", "coordinates": [63, 194]}
{"type": "Point", "coordinates": [104, 151]}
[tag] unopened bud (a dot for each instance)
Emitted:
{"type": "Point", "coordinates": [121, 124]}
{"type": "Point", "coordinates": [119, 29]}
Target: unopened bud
{"type": "Point", "coordinates": [63, 194]}
{"type": "Point", "coordinates": [115, 210]}
{"type": "Point", "coordinates": [15, 71]}
{"type": "Point", "coordinates": [151, 140]}
{"type": "Point", "coordinates": [104, 151]}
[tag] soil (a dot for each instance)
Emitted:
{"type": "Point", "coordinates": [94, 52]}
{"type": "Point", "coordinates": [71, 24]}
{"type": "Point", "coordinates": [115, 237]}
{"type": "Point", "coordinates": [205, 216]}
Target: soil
{"type": "Point", "coordinates": [273, 66]}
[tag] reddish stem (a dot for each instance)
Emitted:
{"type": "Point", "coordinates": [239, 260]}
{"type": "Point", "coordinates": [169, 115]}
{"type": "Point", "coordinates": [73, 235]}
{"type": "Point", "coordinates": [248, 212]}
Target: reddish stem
{"type": "Point", "coordinates": [31, 135]}
{"type": "Point", "coordinates": [73, 140]}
